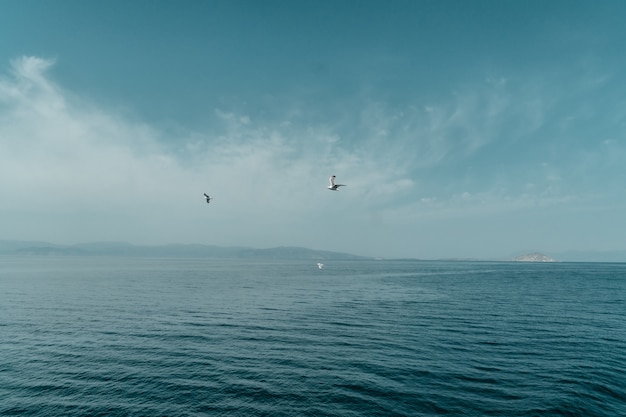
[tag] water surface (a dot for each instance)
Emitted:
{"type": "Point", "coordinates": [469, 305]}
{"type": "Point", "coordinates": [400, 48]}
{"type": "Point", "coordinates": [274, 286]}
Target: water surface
{"type": "Point", "coordinates": [181, 337]}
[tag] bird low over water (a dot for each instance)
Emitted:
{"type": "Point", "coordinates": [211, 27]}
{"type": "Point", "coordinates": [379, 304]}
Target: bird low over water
{"type": "Point", "coordinates": [208, 199]}
{"type": "Point", "coordinates": [333, 186]}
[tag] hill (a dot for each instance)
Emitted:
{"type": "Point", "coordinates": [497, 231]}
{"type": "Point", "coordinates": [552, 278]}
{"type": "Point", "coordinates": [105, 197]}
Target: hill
{"type": "Point", "coordinates": [8, 247]}
{"type": "Point", "coordinates": [533, 257]}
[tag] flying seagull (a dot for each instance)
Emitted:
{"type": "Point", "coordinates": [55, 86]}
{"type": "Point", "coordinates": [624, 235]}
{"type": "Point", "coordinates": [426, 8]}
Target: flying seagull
{"type": "Point", "coordinates": [208, 199]}
{"type": "Point", "coordinates": [333, 186]}
{"type": "Point", "coordinates": [320, 265]}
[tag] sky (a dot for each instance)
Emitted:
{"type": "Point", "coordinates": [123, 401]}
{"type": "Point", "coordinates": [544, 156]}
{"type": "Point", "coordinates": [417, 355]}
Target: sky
{"type": "Point", "coordinates": [462, 128]}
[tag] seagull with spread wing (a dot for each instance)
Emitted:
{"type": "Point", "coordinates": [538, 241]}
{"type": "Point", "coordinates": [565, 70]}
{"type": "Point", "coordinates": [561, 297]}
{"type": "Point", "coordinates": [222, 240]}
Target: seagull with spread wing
{"type": "Point", "coordinates": [333, 186]}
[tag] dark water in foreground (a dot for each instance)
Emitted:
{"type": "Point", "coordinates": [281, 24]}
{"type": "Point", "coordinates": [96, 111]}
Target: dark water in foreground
{"type": "Point", "coordinates": [154, 337]}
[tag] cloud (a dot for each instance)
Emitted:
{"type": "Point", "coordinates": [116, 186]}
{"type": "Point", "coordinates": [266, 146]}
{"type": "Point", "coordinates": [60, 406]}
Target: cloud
{"type": "Point", "coordinates": [30, 71]}
{"type": "Point", "coordinates": [64, 149]}
{"type": "Point", "coordinates": [73, 170]}
{"type": "Point", "coordinates": [62, 157]}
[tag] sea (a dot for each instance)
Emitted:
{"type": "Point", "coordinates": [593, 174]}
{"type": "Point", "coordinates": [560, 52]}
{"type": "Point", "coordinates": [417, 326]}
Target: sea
{"type": "Point", "coordinates": [99, 336]}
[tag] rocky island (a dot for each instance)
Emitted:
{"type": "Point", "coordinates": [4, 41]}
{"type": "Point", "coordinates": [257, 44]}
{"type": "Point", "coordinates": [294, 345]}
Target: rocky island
{"type": "Point", "coordinates": [533, 257]}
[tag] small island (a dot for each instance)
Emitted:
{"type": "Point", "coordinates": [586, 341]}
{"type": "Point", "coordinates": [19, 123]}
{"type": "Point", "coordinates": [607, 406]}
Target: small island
{"type": "Point", "coordinates": [533, 257]}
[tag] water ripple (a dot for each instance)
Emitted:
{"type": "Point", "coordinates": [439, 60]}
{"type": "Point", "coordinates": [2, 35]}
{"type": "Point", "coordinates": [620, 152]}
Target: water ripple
{"type": "Point", "coordinates": [211, 338]}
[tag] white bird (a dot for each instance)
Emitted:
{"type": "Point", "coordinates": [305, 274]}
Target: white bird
{"type": "Point", "coordinates": [320, 265]}
{"type": "Point", "coordinates": [333, 186]}
{"type": "Point", "coordinates": [208, 199]}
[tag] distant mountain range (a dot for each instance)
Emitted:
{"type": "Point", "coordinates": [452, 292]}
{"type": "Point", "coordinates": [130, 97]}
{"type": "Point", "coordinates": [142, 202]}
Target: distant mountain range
{"type": "Point", "coordinates": [12, 247]}
{"type": "Point", "coordinates": [573, 256]}
{"type": "Point", "coordinates": [35, 248]}
{"type": "Point", "coordinates": [591, 256]}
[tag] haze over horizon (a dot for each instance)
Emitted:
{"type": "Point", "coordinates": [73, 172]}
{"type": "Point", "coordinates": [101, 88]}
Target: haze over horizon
{"type": "Point", "coordinates": [469, 129]}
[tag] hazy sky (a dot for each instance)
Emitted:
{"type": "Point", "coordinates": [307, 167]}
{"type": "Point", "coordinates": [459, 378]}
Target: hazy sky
{"type": "Point", "coordinates": [462, 128]}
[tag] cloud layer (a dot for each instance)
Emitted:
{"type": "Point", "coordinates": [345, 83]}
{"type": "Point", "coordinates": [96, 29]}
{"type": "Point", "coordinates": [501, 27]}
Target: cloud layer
{"type": "Point", "coordinates": [72, 170]}
{"type": "Point", "coordinates": [65, 161]}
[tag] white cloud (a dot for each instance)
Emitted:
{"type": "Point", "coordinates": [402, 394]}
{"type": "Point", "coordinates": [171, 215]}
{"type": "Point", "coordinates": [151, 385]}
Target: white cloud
{"type": "Point", "coordinates": [61, 156]}
{"type": "Point", "coordinates": [71, 170]}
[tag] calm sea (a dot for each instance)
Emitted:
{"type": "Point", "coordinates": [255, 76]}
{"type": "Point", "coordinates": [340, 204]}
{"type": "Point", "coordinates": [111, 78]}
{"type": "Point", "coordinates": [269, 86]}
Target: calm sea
{"type": "Point", "coordinates": [174, 337]}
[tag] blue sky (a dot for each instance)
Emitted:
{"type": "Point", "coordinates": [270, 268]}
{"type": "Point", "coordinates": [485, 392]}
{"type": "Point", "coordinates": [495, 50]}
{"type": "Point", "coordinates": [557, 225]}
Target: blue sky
{"type": "Point", "coordinates": [462, 128]}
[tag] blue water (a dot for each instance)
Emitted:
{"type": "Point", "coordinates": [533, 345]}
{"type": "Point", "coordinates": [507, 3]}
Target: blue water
{"type": "Point", "coordinates": [155, 337]}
